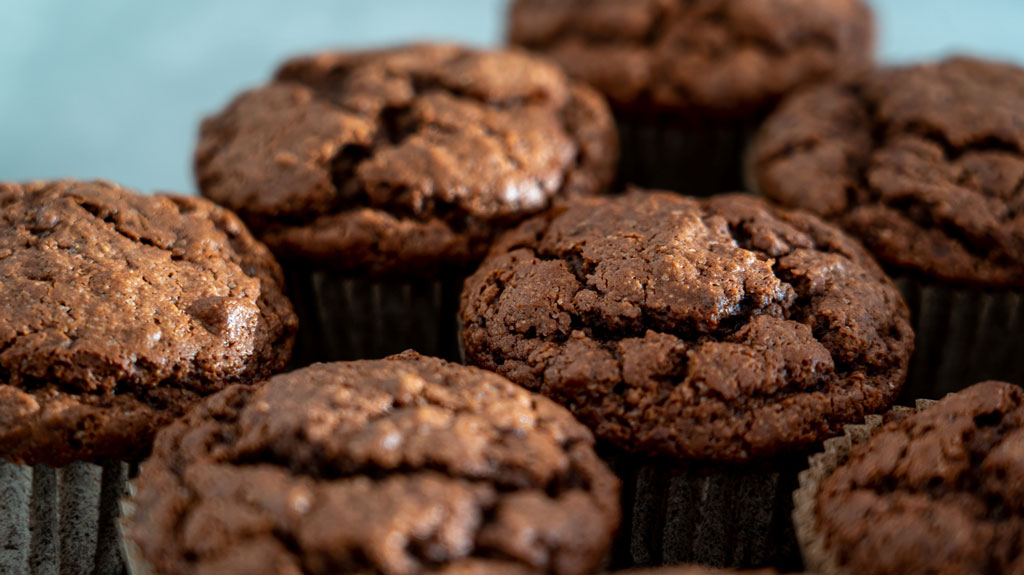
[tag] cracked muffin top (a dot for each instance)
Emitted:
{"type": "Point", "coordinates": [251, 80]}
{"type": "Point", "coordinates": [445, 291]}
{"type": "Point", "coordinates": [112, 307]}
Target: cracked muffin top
{"type": "Point", "coordinates": [938, 491]}
{"type": "Point", "coordinates": [719, 57]}
{"type": "Point", "coordinates": [405, 159]}
{"type": "Point", "coordinates": [722, 329]}
{"type": "Point", "coordinates": [924, 164]}
{"type": "Point", "coordinates": [402, 466]}
{"type": "Point", "coordinates": [119, 311]}
{"type": "Point", "coordinates": [694, 570]}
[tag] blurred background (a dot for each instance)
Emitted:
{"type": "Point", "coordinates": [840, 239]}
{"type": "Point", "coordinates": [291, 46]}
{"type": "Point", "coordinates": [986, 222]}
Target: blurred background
{"type": "Point", "coordinates": [116, 88]}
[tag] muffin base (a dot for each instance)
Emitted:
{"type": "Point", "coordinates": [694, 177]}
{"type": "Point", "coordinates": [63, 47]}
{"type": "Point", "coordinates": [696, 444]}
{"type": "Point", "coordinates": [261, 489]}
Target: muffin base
{"type": "Point", "coordinates": [343, 318]}
{"type": "Point", "coordinates": [963, 336]}
{"type": "Point", "coordinates": [61, 520]}
{"type": "Point", "coordinates": [724, 516]}
{"type": "Point", "coordinates": [696, 158]}
{"type": "Point", "coordinates": [836, 452]}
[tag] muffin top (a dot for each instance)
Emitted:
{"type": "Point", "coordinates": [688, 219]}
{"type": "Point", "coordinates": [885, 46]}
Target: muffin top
{"type": "Point", "coordinates": [710, 57]}
{"type": "Point", "coordinates": [405, 159]}
{"type": "Point", "coordinates": [119, 310]}
{"type": "Point", "coordinates": [924, 164]}
{"type": "Point", "coordinates": [723, 329]}
{"type": "Point", "coordinates": [936, 492]}
{"type": "Point", "coordinates": [406, 465]}
{"type": "Point", "coordinates": [694, 570]}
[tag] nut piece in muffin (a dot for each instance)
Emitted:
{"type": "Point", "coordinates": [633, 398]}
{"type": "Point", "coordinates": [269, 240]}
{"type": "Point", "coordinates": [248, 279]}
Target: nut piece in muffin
{"type": "Point", "coordinates": [392, 170]}
{"type": "Point", "coordinates": [689, 80]}
{"type": "Point", "coordinates": [119, 311]}
{"type": "Point", "coordinates": [407, 465]}
{"type": "Point", "coordinates": [937, 491]}
{"type": "Point", "coordinates": [925, 165]}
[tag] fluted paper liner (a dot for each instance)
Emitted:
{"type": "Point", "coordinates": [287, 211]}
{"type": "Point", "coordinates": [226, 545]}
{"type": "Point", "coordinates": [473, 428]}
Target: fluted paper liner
{"type": "Point", "coordinates": [836, 452]}
{"type": "Point", "coordinates": [343, 318]}
{"type": "Point", "coordinates": [696, 158]}
{"type": "Point", "coordinates": [61, 520]}
{"type": "Point", "coordinates": [133, 560]}
{"type": "Point", "coordinates": [963, 336]}
{"type": "Point", "coordinates": [712, 515]}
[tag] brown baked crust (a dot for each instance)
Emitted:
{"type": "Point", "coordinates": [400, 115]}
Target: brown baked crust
{"type": "Point", "coordinates": [694, 570]}
{"type": "Point", "coordinates": [925, 164]}
{"type": "Point", "coordinates": [723, 329]}
{"type": "Point", "coordinates": [936, 492]}
{"type": "Point", "coordinates": [120, 310]}
{"type": "Point", "coordinates": [410, 158]}
{"type": "Point", "coordinates": [406, 465]}
{"type": "Point", "coordinates": [731, 58]}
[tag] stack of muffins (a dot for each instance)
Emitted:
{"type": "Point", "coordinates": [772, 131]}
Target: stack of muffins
{"type": "Point", "coordinates": [661, 374]}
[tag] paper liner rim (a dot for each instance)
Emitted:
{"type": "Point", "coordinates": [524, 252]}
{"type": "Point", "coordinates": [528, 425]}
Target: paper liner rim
{"type": "Point", "coordinates": [836, 451]}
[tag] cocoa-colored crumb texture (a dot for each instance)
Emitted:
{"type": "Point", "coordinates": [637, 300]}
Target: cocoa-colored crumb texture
{"type": "Point", "coordinates": [120, 310]}
{"type": "Point", "coordinates": [410, 158]}
{"type": "Point", "coordinates": [924, 164]}
{"type": "Point", "coordinates": [403, 466]}
{"type": "Point", "coordinates": [707, 57]}
{"type": "Point", "coordinates": [938, 492]}
{"type": "Point", "coordinates": [694, 570]}
{"type": "Point", "coordinates": [722, 329]}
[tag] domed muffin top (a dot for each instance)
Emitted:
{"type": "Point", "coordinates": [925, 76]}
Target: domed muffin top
{"type": "Point", "coordinates": [717, 57]}
{"type": "Point", "coordinates": [723, 329]}
{"type": "Point", "coordinates": [407, 465]}
{"type": "Point", "coordinates": [119, 310]}
{"type": "Point", "coordinates": [694, 570]}
{"type": "Point", "coordinates": [925, 164]}
{"type": "Point", "coordinates": [389, 160]}
{"type": "Point", "coordinates": [938, 491]}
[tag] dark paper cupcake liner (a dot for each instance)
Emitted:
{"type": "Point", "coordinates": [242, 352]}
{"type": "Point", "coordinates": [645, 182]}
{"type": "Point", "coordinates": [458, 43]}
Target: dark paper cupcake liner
{"type": "Point", "coordinates": [963, 336]}
{"type": "Point", "coordinates": [721, 516]}
{"type": "Point", "coordinates": [836, 451]}
{"type": "Point", "coordinates": [343, 318]}
{"type": "Point", "coordinates": [61, 520]}
{"type": "Point", "coordinates": [697, 159]}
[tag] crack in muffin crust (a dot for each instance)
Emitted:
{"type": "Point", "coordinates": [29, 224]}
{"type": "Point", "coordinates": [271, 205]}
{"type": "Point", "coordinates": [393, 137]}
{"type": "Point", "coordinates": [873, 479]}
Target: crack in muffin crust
{"type": "Point", "coordinates": [122, 309]}
{"type": "Point", "coordinates": [401, 466]}
{"type": "Point", "coordinates": [727, 57]}
{"type": "Point", "coordinates": [925, 164]}
{"type": "Point", "coordinates": [409, 156]}
{"type": "Point", "coordinates": [722, 329]}
{"type": "Point", "coordinates": [693, 570]}
{"type": "Point", "coordinates": [933, 491]}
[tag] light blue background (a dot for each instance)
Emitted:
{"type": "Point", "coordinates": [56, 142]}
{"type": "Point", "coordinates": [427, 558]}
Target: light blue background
{"type": "Point", "coordinates": [115, 88]}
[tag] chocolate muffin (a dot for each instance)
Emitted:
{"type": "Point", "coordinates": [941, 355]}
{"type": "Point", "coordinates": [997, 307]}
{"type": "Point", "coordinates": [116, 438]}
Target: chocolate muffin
{"type": "Point", "coordinates": [925, 165]}
{"type": "Point", "coordinates": [119, 312]}
{"type": "Point", "coordinates": [928, 492]}
{"type": "Point", "coordinates": [693, 570]}
{"type": "Point", "coordinates": [689, 81]}
{"type": "Point", "coordinates": [408, 465]}
{"type": "Point", "coordinates": [693, 334]}
{"type": "Point", "coordinates": [379, 178]}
